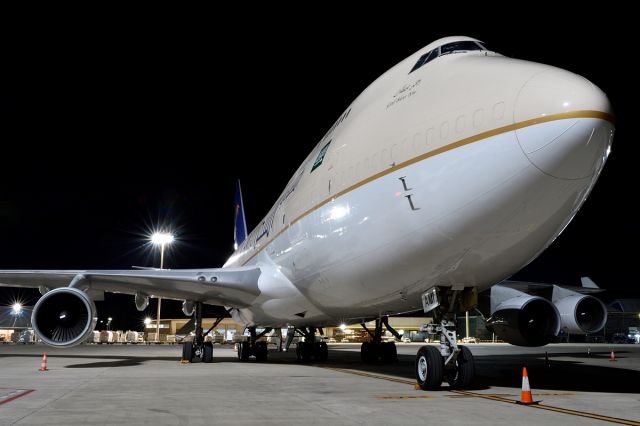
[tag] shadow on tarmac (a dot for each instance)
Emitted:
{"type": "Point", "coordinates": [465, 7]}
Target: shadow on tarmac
{"type": "Point", "coordinates": [506, 371]}
{"type": "Point", "coordinates": [576, 374]}
{"type": "Point", "coordinates": [119, 361]}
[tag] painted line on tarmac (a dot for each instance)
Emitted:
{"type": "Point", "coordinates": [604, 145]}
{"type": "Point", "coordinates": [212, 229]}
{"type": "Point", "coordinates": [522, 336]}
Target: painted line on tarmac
{"type": "Point", "coordinates": [515, 395]}
{"type": "Point", "coordinates": [552, 408]}
{"type": "Point", "coordinates": [498, 398]}
{"type": "Point", "coordinates": [371, 375]}
{"type": "Point", "coordinates": [13, 394]}
{"type": "Point", "coordinates": [404, 397]}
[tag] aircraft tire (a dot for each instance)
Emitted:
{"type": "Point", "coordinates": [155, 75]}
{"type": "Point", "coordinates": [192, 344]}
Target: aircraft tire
{"type": "Point", "coordinates": [187, 351]}
{"type": "Point", "coordinates": [207, 355]}
{"type": "Point", "coordinates": [322, 352]}
{"type": "Point", "coordinates": [367, 352]}
{"type": "Point", "coordinates": [389, 352]}
{"type": "Point", "coordinates": [462, 376]}
{"type": "Point", "coordinates": [261, 351]}
{"type": "Point", "coordinates": [243, 351]}
{"type": "Point", "coordinates": [429, 368]}
{"type": "Point", "coordinates": [303, 351]}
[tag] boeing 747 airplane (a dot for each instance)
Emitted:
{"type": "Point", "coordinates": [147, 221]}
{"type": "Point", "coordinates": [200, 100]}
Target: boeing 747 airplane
{"type": "Point", "coordinates": [444, 177]}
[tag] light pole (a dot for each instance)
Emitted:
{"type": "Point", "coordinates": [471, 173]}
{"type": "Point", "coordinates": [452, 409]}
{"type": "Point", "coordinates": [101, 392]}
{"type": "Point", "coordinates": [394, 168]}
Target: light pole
{"type": "Point", "coordinates": [160, 239]}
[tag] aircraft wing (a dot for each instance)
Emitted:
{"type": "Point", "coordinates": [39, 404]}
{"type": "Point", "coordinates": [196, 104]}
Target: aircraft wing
{"type": "Point", "coordinates": [233, 287]}
{"type": "Point", "coordinates": [588, 286]}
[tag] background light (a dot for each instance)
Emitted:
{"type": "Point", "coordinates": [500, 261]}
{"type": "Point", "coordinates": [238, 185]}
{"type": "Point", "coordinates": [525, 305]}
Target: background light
{"type": "Point", "coordinates": [161, 238]}
{"type": "Point", "coordinates": [17, 308]}
{"type": "Point", "coordinates": [343, 327]}
{"type": "Point", "coordinates": [147, 321]}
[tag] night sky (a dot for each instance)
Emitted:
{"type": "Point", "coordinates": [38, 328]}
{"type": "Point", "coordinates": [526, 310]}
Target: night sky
{"type": "Point", "coordinates": [112, 128]}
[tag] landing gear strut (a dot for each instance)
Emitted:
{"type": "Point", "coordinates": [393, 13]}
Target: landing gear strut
{"type": "Point", "coordinates": [449, 362]}
{"type": "Point", "coordinates": [376, 349]}
{"type": "Point", "coordinates": [198, 348]}
{"type": "Point", "coordinates": [254, 346]}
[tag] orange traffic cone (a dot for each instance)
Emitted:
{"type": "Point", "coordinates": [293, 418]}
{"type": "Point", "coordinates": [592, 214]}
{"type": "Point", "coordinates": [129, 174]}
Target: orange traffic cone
{"type": "Point", "coordinates": [43, 364]}
{"type": "Point", "coordinates": [525, 396]}
{"type": "Point", "coordinates": [613, 357]}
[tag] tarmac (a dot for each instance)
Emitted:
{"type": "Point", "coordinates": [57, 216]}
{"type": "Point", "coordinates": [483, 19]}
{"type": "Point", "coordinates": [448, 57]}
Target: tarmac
{"type": "Point", "coordinates": [147, 385]}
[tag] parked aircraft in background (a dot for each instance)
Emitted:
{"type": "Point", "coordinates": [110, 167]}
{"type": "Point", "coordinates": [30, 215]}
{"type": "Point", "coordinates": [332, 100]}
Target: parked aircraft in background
{"type": "Point", "coordinates": [448, 174]}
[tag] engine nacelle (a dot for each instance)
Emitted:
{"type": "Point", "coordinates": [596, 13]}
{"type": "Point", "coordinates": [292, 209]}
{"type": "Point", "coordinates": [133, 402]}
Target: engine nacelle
{"type": "Point", "coordinates": [581, 314]}
{"type": "Point", "coordinates": [187, 307]}
{"type": "Point", "coordinates": [64, 317]}
{"type": "Point", "coordinates": [142, 301]}
{"type": "Point", "coordinates": [525, 320]}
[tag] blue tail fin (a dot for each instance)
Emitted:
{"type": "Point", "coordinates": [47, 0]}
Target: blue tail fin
{"type": "Point", "coordinates": [240, 228]}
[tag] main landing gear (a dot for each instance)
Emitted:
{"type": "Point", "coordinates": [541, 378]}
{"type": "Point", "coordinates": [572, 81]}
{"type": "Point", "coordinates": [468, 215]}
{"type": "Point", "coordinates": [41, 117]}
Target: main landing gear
{"type": "Point", "coordinates": [449, 362]}
{"type": "Point", "coordinates": [198, 348]}
{"type": "Point", "coordinates": [254, 346]}
{"type": "Point", "coordinates": [376, 349]}
{"type": "Point", "coordinates": [308, 349]}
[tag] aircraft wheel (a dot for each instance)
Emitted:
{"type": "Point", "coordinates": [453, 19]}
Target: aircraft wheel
{"type": "Point", "coordinates": [299, 351]}
{"type": "Point", "coordinates": [207, 354]}
{"type": "Point", "coordinates": [303, 351]}
{"type": "Point", "coordinates": [366, 351]}
{"type": "Point", "coordinates": [322, 352]}
{"type": "Point", "coordinates": [187, 351]}
{"type": "Point", "coordinates": [261, 351]}
{"type": "Point", "coordinates": [243, 351]}
{"type": "Point", "coordinates": [307, 350]}
{"type": "Point", "coordinates": [389, 352]}
{"type": "Point", "coordinates": [462, 376]}
{"type": "Point", "coordinates": [429, 368]}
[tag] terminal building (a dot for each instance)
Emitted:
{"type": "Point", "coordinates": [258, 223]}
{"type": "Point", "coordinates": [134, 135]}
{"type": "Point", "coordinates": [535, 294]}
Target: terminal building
{"type": "Point", "coordinates": [15, 324]}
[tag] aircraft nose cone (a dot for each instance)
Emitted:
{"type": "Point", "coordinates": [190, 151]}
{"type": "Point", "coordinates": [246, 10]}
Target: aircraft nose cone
{"type": "Point", "coordinates": [571, 129]}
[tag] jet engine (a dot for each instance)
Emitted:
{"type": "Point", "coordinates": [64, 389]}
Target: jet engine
{"type": "Point", "coordinates": [64, 317]}
{"type": "Point", "coordinates": [523, 320]}
{"type": "Point", "coordinates": [579, 313]}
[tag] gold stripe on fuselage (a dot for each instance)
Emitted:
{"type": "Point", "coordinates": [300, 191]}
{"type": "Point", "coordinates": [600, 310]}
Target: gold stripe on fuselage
{"type": "Point", "coordinates": [466, 141]}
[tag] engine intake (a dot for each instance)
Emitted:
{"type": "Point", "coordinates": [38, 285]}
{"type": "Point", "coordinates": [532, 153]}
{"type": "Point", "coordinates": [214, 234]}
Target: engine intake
{"type": "Point", "coordinates": [581, 314]}
{"type": "Point", "coordinates": [64, 317]}
{"type": "Point", "coordinates": [525, 321]}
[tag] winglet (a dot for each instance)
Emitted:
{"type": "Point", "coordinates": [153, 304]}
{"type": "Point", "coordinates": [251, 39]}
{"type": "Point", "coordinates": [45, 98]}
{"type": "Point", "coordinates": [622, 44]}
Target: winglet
{"type": "Point", "coordinates": [588, 283]}
{"type": "Point", "coordinates": [240, 224]}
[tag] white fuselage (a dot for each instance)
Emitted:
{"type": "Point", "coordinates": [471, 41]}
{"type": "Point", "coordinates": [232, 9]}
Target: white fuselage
{"type": "Point", "coordinates": [458, 173]}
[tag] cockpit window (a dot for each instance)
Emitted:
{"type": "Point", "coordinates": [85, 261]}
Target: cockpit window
{"type": "Point", "coordinates": [432, 55]}
{"type": "Point", "coordinates": [429, 56]}
{"type": "Point", "coordinates": [458, 46]}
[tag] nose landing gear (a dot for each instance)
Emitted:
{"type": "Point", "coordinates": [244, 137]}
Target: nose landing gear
{"type": "Point", "coordinates": [450, 362]}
